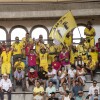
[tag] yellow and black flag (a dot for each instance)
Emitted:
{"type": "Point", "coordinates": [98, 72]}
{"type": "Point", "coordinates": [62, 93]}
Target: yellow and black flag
{"type": "Point", "coordinates": [63, 26]}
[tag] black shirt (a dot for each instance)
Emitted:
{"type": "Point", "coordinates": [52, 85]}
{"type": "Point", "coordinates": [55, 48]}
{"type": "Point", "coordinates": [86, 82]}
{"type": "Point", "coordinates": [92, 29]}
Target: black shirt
{"type": "Point", "coordinates": [53, 99]}
{"type": "Point", "coordinates": [41, 75]}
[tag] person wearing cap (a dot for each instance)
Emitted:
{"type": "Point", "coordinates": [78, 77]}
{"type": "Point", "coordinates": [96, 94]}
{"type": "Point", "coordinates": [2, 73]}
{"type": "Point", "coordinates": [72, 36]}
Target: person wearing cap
{"type": "Point", "coordinates": [19, 78]}
{"type": "Point", "coordinates": [19, 64]}
{"type": "Point", "coordinates": [96, 96]}
{"type": "Point", "coordinates": [32, 77]}
{"type": "Point", "coordinates": [80, 96]}
{"type": "Point", "coordinates": [93, 88]}
{"type": "Point", "coordinates": [5, 86]}
{"type": "Point", "coordinates": [90, 33]}
{"type": "Point", "coordinates": [53, 97]}
{"type": "Point", "coordinates": [38, 92]}
{"type": "Point", "coordinates": [6, 61]}
{"type": "Point", "coordinates": [17, 47]}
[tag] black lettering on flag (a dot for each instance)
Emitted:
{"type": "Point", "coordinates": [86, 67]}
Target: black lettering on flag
{"type": "Point", "coordinates": [65, 25]}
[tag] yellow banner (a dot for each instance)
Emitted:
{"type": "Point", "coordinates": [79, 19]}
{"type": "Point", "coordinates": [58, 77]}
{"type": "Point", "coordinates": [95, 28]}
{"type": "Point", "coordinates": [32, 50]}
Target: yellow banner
{"type": "Point", "coordinates": [63, 26]}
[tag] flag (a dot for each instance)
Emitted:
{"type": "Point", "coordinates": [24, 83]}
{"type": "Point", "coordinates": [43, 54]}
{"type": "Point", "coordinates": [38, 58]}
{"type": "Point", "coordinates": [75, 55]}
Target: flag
{"type": "Point", "coordinates": [63, 26]}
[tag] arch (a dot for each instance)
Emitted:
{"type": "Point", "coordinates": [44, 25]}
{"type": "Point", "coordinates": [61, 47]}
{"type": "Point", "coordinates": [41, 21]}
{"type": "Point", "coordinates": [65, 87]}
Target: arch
{"type": "Point", "coordinates": [4, 35]}
{"type": "Point", "coordinates": [40, 27]}
{"type": "Point", "coordinates": [15, 29]}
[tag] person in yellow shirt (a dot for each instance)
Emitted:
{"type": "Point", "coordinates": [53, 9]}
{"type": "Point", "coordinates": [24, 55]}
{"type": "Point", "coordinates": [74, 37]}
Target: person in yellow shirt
{"type": "Point", "coordinates": [43, 56]}
{"type": "Point", "coordinates": [73, 54]}
{"type": "Point", "coordinates": [68, 39]}
{"type": "Point", "coordinates": [91, 66]}
{"type": "Point", "coordinates": [52, 51]}
{"type": "Point", "coordinates": [94, 55]}
{"type": "Point", "coordinates": [27, 39]}
{"type": "Point", "coordinates": [6, 61]}
{"type": "Point", "coordinates": [38, 92]}
{"type": "Point", "coordinates": [90, 34]}
{"type": "Point", "coordinates": [19, 64]}
{"type": "Point", "coordinates": [17, 49]}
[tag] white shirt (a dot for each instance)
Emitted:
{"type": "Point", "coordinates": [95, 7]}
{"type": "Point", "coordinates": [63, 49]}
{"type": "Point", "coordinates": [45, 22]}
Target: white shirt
{"type": "Point", "coordinates": [53, 72]}
{"type": "Point", "coordinates": [92, 89]}
{"type": "Point", "coordinates": [71, 73]}
{"type": "Point", "coordinates": [5, 84]}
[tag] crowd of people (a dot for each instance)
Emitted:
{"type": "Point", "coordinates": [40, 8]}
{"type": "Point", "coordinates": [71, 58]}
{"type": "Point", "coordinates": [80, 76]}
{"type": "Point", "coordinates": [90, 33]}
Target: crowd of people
{"type": "Point", "coordinates": [51, 68]}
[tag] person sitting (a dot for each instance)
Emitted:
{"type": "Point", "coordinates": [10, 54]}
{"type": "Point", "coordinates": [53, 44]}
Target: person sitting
{"type": "Point", "coordinates": [42, 76]}
{"type": "Point", "coordinates": [38, 92]}
{"type": "Point", "coordinates": [5, 86]}
{"type": "Point", "coordinates": [53, 96]}
{"type": "Point", "coordinates": [66, 96]}
{"type": "Point", "coordinates": [51, 88]}
{"type": "Point", "coordinates": [62, 90]}
{"type": "Point", "coordinates": [19, 64]}
{"type": "Point", "coordinates": [32, 77]}
{"type": "Point", "coordinates": [96, 94]}
{"type": "Point", "coordinates": [93, 88]}
{"type": "Point", "coordinates": [56, 64]}
{"type": "Point", "coordinates": [80, 96]}
{"type": "Point", "coordinates": [52, 76]}
{"type": "Point", "coordinates": [19, 78]}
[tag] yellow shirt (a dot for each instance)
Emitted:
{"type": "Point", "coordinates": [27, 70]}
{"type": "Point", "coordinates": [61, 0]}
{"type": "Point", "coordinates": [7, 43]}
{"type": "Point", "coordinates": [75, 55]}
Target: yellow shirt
{"type": "Point", "coordinates": [20, 65]}
{"type": "Point", "coordinates": [84, 58]}
{"type": "Point", "coordinates": [6, 56]}
{"type": "Point", "coordinates": [51, 48]}
{"type": "Point", "coordinates": [59, 48]}
{"type": "Point", "coordinates": [17, 48]}
{"type": "Point", "coordinates": [37, 90]}
{"type": "Point", "coordinates": [89, 32]}
{"type": "Point", "coordinates": [68, 40]}
{"type": "Point", "coordinates": [24, 39]}
{"type": "Point", "coordinates": [94, 56]}
{"type": "Point", "coordinates": [43, 58]}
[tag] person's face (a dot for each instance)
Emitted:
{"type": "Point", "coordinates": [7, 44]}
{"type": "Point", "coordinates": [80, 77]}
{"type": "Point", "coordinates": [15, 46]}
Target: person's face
{"type": "Point", "coordinates": [55, 58]}
{"type": "Point", "coordinates": [41, 69]}
{"type": "Point", "coordinates": [76, 83]}
{"type": "Point", "coordinates": [40, 37]}
{"type": "Point", "coordinates": [5, 77]}
{"type": "Point", "coordinates": [88, 26]}
{"type": "Point", "coordinates": [80, 94]}
{"type": "Point", "coordinates": [90, 58]}
{"type": "Point", "coordinates": [19, 59]}
{"type": "Point", "coordinates": [32, 51]}
{"type": "Point", "coordinates": [49, 69]}
{"type": "Point", "coordinates": [94, 84]}
{"type": "Point", "coordinates": [64, 84]}
{"type": "Point", "coordinates": [7, 49]}
{"type": "Point", "coordinates": [53, 95]}
{"type": "Point", "coordinates": [38, 84]}
{"type": "Point", "coordinates": [19, 71]}
{"type": "Point", "coordinates": [43, 50]}
{"type": "Point", "coordinates": [50, 84]}
{"type": "Point", "coordinates": [17, 40]}
{"type": "Point", "coordinates": [64, 50]}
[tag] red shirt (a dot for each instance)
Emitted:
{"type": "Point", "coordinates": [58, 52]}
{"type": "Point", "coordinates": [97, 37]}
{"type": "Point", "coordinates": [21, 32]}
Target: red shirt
{"type": "Point", "coordinates": [27, 49]}
{"type": "Point", "coordinates": [56, 65]}
{"type": "Point", "coordinates": [32, 60]}
{"type": "Point", "coordinates": [98, 47]}
{"type": "Point", "coordinates": [34, 75]}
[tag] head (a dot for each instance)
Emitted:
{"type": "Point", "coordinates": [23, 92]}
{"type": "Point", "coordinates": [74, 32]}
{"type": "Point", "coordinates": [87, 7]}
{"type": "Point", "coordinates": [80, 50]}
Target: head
{"type": "Point", "coordinates": [5, 76]}
{"type": "Point", "coordinates": [17, 39]}
{"type": "Point", "coordinates": [96, 92]}
{"type": "Point", "coordinates": [50, 84]}
{"type": "Point", "coordinates": [80, 93]}
{"type": "Point", "coordinates": [7, 49]}
{"type": "Point", "coordinates": [89, 58]}
{"type": "Point", "coordinates": [94, 83]}
{"type": "Point", "coordinates": [19, 59]}
{"type": "Point", "coordinates": [19, 70]}
{"type": "Point", "coordinates": [32, 70]}
{"type": "Point", "coordinates": [52, 94]}
{"type": "Point", "coordinates": [64, 49]}
{"type": "Point", "coordinates": [27, 35]}
{"type": "Point", "coordinates": [49, 69]}
{"type": "Point", "coordinates": [43, 50]}
{"type": "Point", "coordinates": [40, 38]}
{"type": "Point", "coordinates": [32, 51]}
{"type": "Point", "coordinates": [89, 25]}
{"type": "Point", "coordinates": [93, 49]}
{"type": "Point", "coordinates": [41, 68]}
{"type": "Point", "coordinates": [55, 58]}
{"type": "Point", "coordinates": [99, 40]}
{"type": "Point", "coordinates": [76, 82]}
{"type": "Point", "coordinates": [79, 58]}
{"type": "Point", "coordinates": [64, 85]}
{"type": "Point", "coordinates": [38, 84]}
{"type": "Point", "coordinates": [3, 43]}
